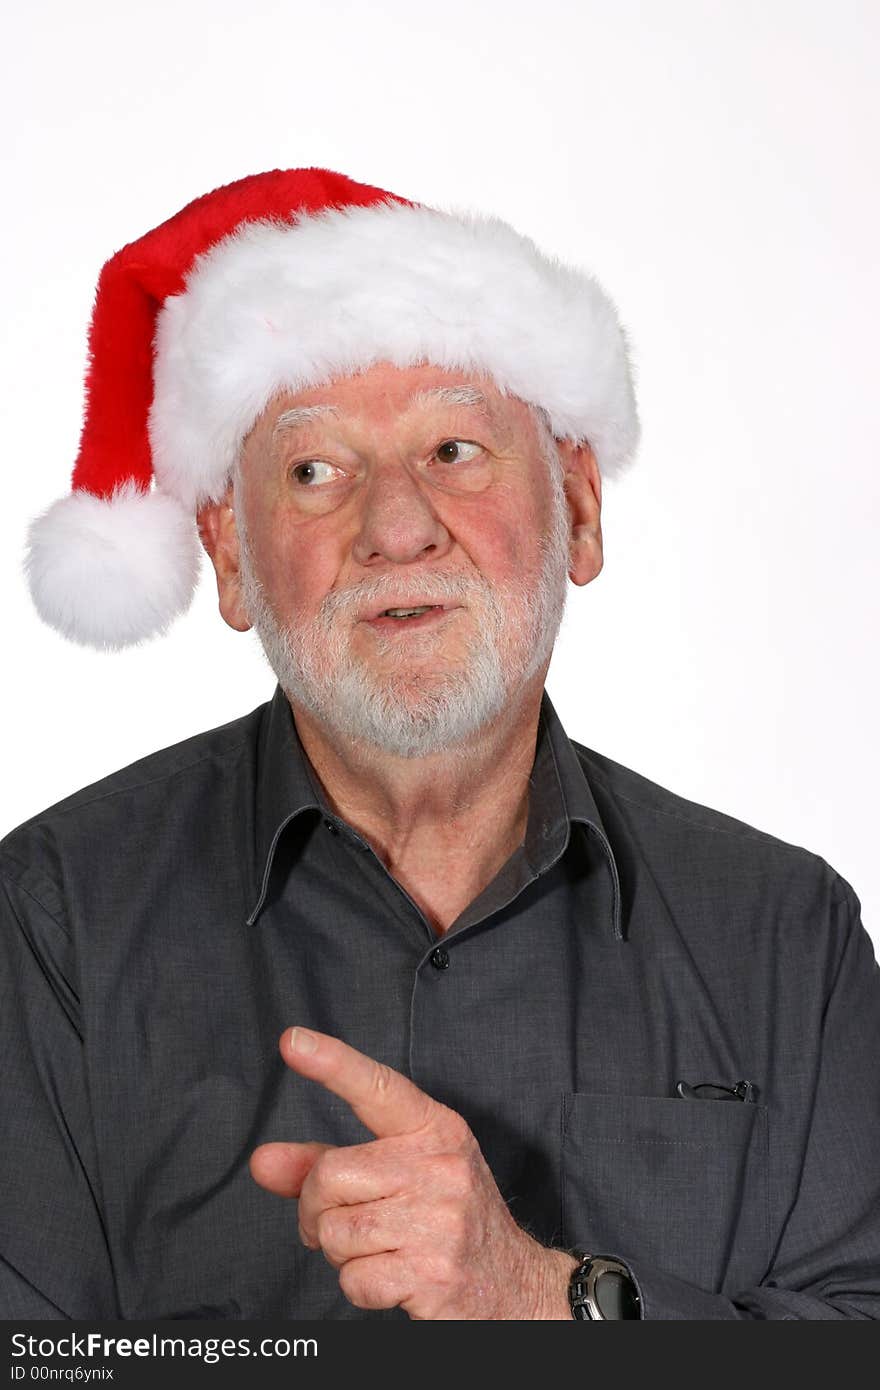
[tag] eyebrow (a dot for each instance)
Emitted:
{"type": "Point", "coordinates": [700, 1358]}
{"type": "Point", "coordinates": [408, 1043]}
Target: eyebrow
{"type": "Point", "coordinates": [300, 415]}
{"type": "Point", "coordinates": [451, 395]}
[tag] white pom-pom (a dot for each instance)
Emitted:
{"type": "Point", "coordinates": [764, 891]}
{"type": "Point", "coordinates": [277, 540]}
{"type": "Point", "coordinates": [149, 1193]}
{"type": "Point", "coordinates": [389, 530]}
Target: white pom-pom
{"type": "Point", "coordinates": [109, 572]}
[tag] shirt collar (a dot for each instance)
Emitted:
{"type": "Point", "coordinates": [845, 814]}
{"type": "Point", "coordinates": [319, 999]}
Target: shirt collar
{"type": "Point", "coordinates": [560, 798]}
{"type": "Point", "coordinates": [562, 803]}
{"type": "Point", "coordinates": [286, 787]}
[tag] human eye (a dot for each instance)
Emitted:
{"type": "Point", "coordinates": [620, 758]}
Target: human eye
{"type": "Point", "coordinates": [457, 451]}
{"type": "Point", "coordinates": [311, 472]}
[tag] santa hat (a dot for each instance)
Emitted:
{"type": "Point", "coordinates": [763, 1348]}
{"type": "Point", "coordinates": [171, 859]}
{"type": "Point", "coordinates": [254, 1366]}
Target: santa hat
{"type": "Point", "coordinates": [278, 282]}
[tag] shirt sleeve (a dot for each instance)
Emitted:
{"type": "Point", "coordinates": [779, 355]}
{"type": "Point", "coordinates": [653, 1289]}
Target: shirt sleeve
{"type": "Point", "coordinates": [827, 1260]}
{"type": "Point", "coordinates": [54, 1256]}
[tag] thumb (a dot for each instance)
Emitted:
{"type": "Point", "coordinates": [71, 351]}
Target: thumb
{"type": "Point", "coordinates": [283, 1168]}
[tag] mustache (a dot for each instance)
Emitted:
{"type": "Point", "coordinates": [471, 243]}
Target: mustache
{"type": "Point", "coordinates": [439, 586]}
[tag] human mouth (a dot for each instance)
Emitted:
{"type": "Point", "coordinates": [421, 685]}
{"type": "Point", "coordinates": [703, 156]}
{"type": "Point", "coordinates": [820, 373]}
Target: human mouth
{"type": "Point", "coordinates": [411, 616]}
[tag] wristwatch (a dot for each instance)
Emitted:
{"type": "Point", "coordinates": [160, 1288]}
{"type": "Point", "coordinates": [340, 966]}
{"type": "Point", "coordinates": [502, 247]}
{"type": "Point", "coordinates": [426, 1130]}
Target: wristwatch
{"type": "Point", "coordinates": [602, 1287]}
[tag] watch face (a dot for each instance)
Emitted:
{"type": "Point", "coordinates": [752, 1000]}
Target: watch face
{"type": "Point", "coordinates": [615, 1295]}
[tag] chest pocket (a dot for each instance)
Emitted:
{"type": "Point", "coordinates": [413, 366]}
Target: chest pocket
{"type": "Point", "coordinates": [681, 1184]}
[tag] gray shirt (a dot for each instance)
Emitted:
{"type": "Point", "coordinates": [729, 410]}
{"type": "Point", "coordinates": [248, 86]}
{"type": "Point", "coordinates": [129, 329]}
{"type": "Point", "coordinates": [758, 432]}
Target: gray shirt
{"type": "Point", "coordinates": [161, 928]}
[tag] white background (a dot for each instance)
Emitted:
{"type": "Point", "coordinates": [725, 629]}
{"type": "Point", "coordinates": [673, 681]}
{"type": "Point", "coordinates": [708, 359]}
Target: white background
{"type": "Point", "coordinates": [715, 164]}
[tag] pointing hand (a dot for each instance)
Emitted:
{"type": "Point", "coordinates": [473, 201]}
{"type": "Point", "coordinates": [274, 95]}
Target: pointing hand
{"type": "Point", "coordinates": [414, 1218]}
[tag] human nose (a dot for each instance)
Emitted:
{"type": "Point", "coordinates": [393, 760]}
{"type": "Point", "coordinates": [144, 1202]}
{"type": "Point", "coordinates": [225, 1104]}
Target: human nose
{"type": "Point", "coordinates": [398, 522]}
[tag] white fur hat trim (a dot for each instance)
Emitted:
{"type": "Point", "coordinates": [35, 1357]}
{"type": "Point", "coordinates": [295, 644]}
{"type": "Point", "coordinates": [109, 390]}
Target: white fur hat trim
{"type": "Point", "coordinates": [283, 306]}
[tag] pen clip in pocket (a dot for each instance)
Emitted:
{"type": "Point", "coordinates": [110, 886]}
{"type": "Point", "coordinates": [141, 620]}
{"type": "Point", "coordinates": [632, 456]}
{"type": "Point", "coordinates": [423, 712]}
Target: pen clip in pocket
{"type": "Point", "coordinates": [710, 1090]}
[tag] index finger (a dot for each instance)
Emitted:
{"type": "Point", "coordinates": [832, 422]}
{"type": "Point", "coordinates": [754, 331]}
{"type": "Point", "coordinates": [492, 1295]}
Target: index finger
{"type": "Point", "coordinates": [386, 1101]}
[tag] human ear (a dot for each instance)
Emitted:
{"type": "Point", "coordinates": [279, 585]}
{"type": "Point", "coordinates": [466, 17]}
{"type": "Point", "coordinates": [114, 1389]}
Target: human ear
{"type": "Point", "coordinates": [219, 536]}
{"type": "Point", "coordinates": [583, 491]}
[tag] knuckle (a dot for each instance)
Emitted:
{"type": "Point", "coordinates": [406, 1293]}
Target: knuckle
{"type": "Point", "coordinates": [442, 1271]}
{"type": "Point", "coordinates": [350, 1284]}
{"type": "Point", "coordinates": [457, 1174]}
{"type": "Point", "coordinates": [361, 1221]}
{"type": "Point", "coordinates": [459, 1223]}
{"type": "Point", "coordinates": [456, 1129]}
{"type": "Point", "coordinates": [326, 1173]}
{"type": "Point", "coordinates": [341, 1230]}
{"type": "Point", "coordinates": [354, 1286]}
{"type": "Point", "coordinates": [327, 1227]}
{"type": "Point", "coordinates": [381, 1080]}
{"type": "Point", "coordinates": [325, 1167]}
{"type": "Point", "coordinates": [455, 1220]}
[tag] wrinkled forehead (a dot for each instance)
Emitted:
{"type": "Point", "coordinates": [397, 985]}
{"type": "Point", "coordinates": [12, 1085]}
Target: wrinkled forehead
{"type": "Point", "coordinates": [387, 395]}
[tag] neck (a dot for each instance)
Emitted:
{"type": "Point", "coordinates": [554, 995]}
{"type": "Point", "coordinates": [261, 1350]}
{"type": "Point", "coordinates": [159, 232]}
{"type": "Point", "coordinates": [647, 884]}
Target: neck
{"type": "Point", "coordinates": [442, 825]}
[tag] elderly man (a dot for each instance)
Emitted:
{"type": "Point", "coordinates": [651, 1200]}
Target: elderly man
{"type": "Point", "coordinates": [564, 1044]}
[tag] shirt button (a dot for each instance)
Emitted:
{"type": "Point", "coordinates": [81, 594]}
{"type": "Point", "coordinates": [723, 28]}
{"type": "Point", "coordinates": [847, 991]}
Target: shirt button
{"type": "Point", "coordinates": [440, 958]}
{"type": "Point", "coordinates": [334, 829]}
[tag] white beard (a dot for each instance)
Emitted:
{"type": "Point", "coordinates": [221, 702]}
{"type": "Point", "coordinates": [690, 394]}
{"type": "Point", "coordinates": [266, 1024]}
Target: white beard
{"type": "Point", "coordinates": [411, 709]}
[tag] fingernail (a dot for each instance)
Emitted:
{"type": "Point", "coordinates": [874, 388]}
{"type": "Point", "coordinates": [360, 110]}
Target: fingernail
{"type": "Point", "coordinates": [302, 1041]}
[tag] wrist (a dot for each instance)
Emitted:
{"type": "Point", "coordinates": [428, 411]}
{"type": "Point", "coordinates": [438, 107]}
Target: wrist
{"type": "Point", "coordinates": [558, 1269]}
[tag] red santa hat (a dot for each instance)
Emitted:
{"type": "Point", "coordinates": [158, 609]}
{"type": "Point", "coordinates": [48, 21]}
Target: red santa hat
{"type": "Point", "coordinates": [278, 282]}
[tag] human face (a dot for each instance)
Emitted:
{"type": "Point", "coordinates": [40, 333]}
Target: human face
{"type": "Point", "coordinates": [391, 489]}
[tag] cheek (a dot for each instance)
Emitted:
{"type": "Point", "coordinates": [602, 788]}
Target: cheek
{"type": "Point", "coordinates": [295, 571]}
{"type": "Point", "coordinates": [505, 548]}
